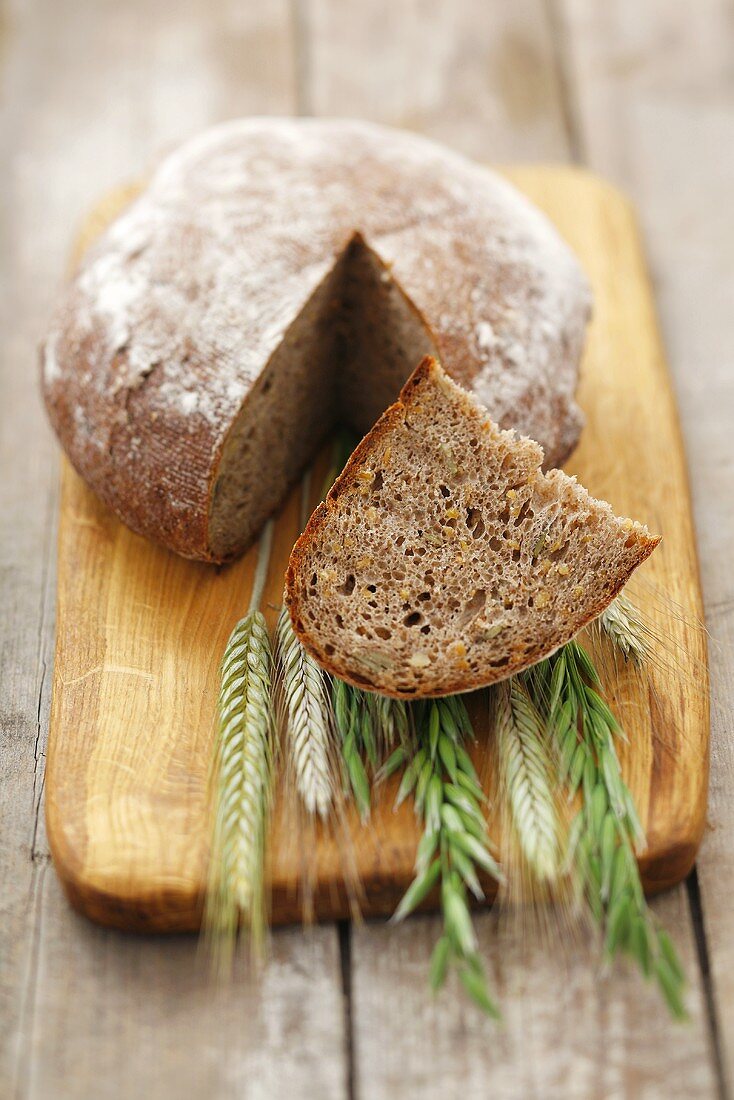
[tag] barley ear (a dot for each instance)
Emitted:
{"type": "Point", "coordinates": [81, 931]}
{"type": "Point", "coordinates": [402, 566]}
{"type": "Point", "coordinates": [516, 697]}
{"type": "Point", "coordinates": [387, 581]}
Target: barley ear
{"type": "Point", "coordinates": [625, 627]}
{"type": "Point", "coordinates": [242, 787]}
{"type": "Point", "coordinates": [308, 727]}
{"type": "Point", "coordinates": [525, 781]}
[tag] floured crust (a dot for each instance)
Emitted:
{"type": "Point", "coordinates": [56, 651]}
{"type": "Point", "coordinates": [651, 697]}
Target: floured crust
{"type": "Point", "coordinates": [167, 328]}
{"type": "Point", "coordinates": [614, 549]}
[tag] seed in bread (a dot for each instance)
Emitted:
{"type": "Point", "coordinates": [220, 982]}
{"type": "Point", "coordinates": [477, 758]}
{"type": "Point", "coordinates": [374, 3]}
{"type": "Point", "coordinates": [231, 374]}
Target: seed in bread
{"type": "Point", "coordinates": [444, 559]}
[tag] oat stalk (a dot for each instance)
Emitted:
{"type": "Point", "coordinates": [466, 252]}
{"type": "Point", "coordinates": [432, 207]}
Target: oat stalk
{"type": "Point", "coordinates": [525, 780]}
{"type": "Point", "coordinates": [606, 831]}
{"type": "Point", "coordinates": [454, 846]}
{"type": "Point", "coordinates": [308, 733]}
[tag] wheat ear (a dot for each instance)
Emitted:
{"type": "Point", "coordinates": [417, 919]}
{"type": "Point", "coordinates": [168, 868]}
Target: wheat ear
{"type": "Point", "coordinates": [307, 714]}
{"type": "Point", "coordinates": [525, 771]}
{"type": "Point", "coordinates": [243, 773]}
{"type": "Point", "coordinates": [625, 627]}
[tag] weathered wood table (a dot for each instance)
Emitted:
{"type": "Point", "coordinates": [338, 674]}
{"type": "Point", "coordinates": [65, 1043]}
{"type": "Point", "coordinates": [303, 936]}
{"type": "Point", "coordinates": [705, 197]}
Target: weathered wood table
{"type": "Point", "coordinates": [93, 91]}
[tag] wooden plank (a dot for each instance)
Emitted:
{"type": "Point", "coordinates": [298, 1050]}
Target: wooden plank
{"type": "Point", "coordinates": [480, 76]}
{"type": "Point", "coordinates": [92, 92]}
{"type": "Point", "coordinates": [570, 1032]}
{"type": "Point", "coordinates": [140, 632]}
{"type": "Point", "coordinates": [655, 100]}
{"type": "Point", "coordinates": [125, 1016]}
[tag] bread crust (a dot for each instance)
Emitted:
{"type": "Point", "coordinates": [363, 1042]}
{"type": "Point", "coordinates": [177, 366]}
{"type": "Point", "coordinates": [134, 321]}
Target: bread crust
{"type": "Point", "coordinates": [322, 515]}
{"type": "Point", "coordinates": [169, 325]}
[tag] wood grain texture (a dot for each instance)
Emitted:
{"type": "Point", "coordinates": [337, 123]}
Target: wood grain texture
{"type": "Point", "coordinates": [653, 98]}
{"type": "Point", "coordinates": [481, 77]}
{"type": "Point", "coordinates": [588, 1036]}
{"type": "Point", "coordinates": [140, 633]}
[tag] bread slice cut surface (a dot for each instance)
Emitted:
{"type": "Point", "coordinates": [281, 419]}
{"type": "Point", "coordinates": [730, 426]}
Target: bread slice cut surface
{"type": "Point", "coordinates": [444, 559]}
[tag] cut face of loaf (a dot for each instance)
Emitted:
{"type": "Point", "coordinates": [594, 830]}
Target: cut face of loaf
{"type": "Point", "coordinates": [343, 359]}
{"type": "Point", "coordinates": [444, 559]}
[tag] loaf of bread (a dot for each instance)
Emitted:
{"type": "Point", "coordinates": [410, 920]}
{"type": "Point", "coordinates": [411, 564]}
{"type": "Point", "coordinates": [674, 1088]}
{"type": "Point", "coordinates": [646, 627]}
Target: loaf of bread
{"type": "Point", "coordinates": [444, 559]}
{"type": "Point", "coordinates": [277, 275]}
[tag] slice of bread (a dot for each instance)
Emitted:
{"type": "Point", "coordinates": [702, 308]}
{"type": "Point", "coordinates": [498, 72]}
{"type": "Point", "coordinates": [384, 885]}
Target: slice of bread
{"type": "Point", "coordinates": [444, 559]}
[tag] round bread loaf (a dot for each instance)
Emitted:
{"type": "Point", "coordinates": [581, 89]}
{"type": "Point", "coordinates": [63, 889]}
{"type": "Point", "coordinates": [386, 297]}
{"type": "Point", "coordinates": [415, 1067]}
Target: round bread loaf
{"type": "Point", "coordinates": [278, 275]}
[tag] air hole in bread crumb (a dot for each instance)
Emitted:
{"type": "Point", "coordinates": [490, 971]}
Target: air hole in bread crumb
{"type": "Point", "coordinates": [523, 513]}
{"type": "Point", "coordinates": [423, 596]}
{"type": "Point", "coordinates": [445, 491]}
{"type": "Point", "coordinates": [377, 482]}
{"type": "Point", "coordinates": [347, 588]}
{"type": "Point", "coordinates": [383, 632]}
{"type": "Point", "coordinates": [425, 629]}
{"type": "Point", "coordinates": [329, 649]}
{"type": "Point", "coordinates": [413, 619]}
{"type": "Point", "coordinates": [495, 543]}
{"type": "Point", "coordinates": [500, 663]}
{"type": "Point", "coordinates": [515, 554]}
{"type": "Point", "coordinates": [313, 580]}
{"type": "Point", "coordinates": [478, 600]}
{"type": "Point", "coordinates": [475, 522]}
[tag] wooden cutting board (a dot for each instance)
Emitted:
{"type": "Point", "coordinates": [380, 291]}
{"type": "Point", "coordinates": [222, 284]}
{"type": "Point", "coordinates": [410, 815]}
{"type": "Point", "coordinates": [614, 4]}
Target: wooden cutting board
{"type": "Point", "coordinates": [140, 633]}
